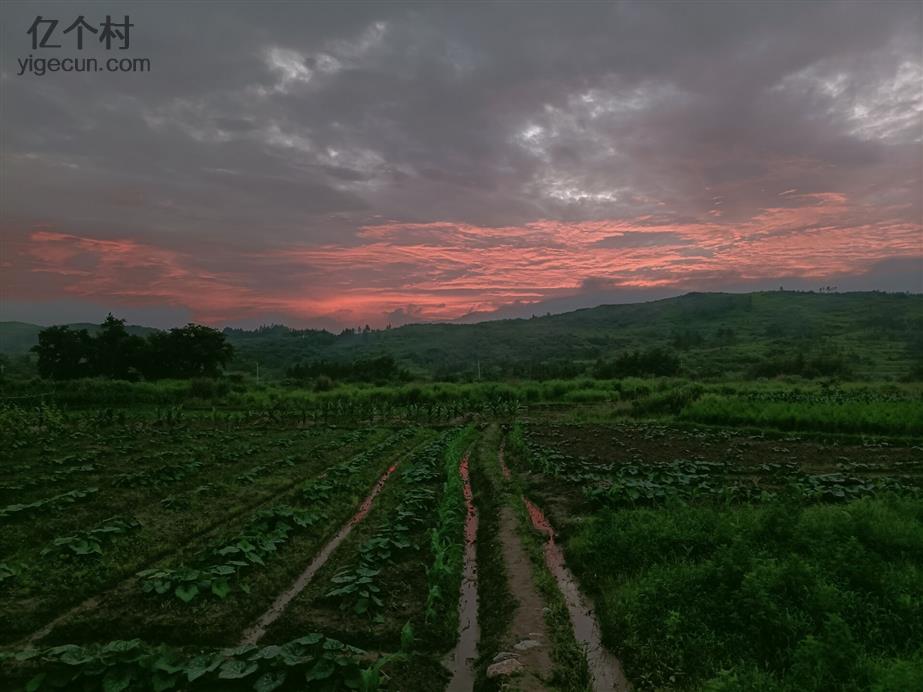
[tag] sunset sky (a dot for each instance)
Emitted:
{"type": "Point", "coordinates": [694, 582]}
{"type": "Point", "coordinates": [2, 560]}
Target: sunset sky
{"type": "Point", "coordinates": [341, 164]}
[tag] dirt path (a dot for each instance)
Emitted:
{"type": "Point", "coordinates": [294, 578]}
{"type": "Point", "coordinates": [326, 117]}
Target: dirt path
{"type": "Point", "coordinates": [528, 638]}
{"type": "Point", "coordinates": [524, 656]}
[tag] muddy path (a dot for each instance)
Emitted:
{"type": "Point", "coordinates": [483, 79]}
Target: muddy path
{"type": "Point", "coordinates": [466, 649]}
{"type": "Point", "coordinates": [255, 632]}
{"type": "Point", "coordinates": [528, 639]}
{"type": "Point", "coordinates": [605, 669]}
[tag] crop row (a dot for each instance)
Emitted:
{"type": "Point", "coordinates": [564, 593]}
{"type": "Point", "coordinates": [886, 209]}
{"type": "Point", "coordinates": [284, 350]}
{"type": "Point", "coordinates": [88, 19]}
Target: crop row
{"type": "Point", "coordinates": [688, 479]}
{"type": "Point", "coordinates": [313, 661]}
{"type": "Point", "coordinates": [256, 542]}
{"type": "Point", "coordinates": [168, 473]}
{"type": "Point", "coordinates": [354, 588]}
{"type": "Point", "coordinates": [90, 542]}
{"type": "Point", "coordinates": [48, 478]}
{"type": "Point", "coordinates": [49, 504]}
{"type": "Point", "coordinates": [264, 534]}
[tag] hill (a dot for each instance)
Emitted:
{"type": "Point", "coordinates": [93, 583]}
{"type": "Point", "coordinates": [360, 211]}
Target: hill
{"type": "Point", "coordinates": [878, 335]}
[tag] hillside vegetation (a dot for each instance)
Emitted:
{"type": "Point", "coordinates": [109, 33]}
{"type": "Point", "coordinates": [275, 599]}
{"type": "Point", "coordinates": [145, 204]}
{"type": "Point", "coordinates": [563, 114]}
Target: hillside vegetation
{"type": "Point", "coordinates": [850, 335]}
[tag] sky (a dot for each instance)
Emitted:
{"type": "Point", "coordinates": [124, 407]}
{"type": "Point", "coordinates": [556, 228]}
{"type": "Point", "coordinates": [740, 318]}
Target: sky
{"type": "Point", "coordinates": [342, 164]}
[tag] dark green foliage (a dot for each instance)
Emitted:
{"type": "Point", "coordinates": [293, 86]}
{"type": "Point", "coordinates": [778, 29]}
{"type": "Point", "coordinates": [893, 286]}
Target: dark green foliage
{"type": "Point", "coordinates": [380, 369]}
{"type": "Point", "coordinates": [64, 354]}
{"type": "Point", "coordinates": [720, 335]}
{"type": "Point", "coordinates": [806, 366]}
{"type": "Point", "coordinates": [656, 362]}
{"type": "Point", "coordinates": [770, 597]}
{"type": "Point", "coordinates": [311, 662]}
{"type": "Point", "coordinates": [115, 352]}
{"type": "Point", "coordinates": [186, 352]}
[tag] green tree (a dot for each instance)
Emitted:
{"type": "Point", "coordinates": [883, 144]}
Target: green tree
{"type": "Point", "coordinates": [190, 351]}
{"type": "Point", "coordinates": [64, 354]}
{"type": "Point", "coordinates": [116, 351]}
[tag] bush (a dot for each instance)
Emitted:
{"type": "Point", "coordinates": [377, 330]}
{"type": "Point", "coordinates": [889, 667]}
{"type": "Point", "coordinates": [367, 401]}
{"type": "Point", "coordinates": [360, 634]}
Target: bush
{"type": "Point", "coordinates": [759, 597]}
{"type": "Point", "coordinates": [655, 362]}
{"type": "Point", "coordinates": [800, 365]}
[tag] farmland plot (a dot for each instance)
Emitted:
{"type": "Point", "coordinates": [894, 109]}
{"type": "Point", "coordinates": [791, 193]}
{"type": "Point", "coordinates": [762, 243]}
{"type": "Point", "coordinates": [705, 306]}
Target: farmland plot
{"type": "Point", "coordinates": [209, 589]}
{"type": "Point", "coordinates": [149, 498]}
{"type": "Point", "coordinates": [393, 585]}
{"type": "Point", "coordinates": [709, 559]}
{"type": "Point", "coordinates": [725, 561]}
{"type": "Point", "coordinates": [157, 593]}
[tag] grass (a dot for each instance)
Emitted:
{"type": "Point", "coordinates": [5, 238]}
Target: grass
{"type": "Point", "coordinates": [777, 597]}
{"type": "Point", "coordinates": [781, 404]}
{"type": "Point", "coordinates": [877, 417]}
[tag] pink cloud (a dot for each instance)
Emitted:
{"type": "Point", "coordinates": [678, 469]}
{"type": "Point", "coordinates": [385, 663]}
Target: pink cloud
{"type": "Point", "coordinates": [443, 270]}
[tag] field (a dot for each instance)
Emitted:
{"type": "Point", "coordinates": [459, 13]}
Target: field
{"type": "Point", "coordinates": [721, 560]}
{"type": "Point", "coordinates": [649, 536]}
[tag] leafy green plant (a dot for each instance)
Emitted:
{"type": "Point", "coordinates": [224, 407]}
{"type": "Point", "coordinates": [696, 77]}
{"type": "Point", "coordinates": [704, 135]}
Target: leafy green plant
{"type": "Point", "coordinates": [8, 572]}
{"type": "Point", "coordinates": [90, 542]}
{"type": "Point", "coordinates": [357, 590]}
{"type": "Point", "coordinates": [354, 588]}
{"type": "Point", "coordinates": [54, 503]}
{"type": "Point", "coordinates": [311, 662]}
{"type": "Point", "coordinates": [262, 537]}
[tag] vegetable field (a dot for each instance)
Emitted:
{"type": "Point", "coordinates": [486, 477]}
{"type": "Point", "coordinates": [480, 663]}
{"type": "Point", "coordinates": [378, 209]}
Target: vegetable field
{"type": "Point", "coordinates": [172, 552]}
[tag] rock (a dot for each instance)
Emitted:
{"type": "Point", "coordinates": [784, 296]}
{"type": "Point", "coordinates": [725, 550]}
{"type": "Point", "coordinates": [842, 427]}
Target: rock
{"type": "Point", "coordinates": [503, 655]}
{"type": "Point", "coordinates": [508, 666]}
{"type": "Point", "coordinates": [526, 644]}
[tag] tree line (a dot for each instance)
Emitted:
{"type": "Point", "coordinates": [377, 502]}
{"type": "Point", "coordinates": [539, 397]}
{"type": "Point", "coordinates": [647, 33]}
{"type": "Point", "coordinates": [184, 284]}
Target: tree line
{"type": "Point", "coordinates": [183, 352]}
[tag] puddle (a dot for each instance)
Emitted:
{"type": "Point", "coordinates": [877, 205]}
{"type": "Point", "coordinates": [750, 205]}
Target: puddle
{"type": "Point", "coordinates": [258, 629]}
{"type": "Point", "coordinates": [605, 669]}
{"type": "Point", "coordinates": [462, 665]}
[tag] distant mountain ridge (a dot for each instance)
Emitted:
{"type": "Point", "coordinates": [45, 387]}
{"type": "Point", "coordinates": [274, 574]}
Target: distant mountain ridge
{"type": "Point", "coordinates": [879, 333]}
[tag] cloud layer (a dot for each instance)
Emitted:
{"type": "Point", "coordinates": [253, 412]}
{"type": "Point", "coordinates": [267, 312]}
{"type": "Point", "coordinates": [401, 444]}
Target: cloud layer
{"type": "Point", "coordinates": [337, 164]}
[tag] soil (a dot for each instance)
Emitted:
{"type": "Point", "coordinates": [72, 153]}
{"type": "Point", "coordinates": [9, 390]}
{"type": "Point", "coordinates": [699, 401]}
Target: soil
{"type": "Point", "coordinates": [657, 443]}
{"type": "Point", "coordinates": [528, 618]}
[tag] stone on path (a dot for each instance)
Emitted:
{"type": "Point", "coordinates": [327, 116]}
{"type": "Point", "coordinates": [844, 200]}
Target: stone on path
{"type": "Point", "coordinates": [526, 644]}
{"type": "Point", "coordinates": [508, 666]}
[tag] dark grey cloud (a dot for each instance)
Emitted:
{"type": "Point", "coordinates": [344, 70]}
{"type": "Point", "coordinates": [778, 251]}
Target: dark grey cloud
{"type": "Point", "coordinates": [269, 124]}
